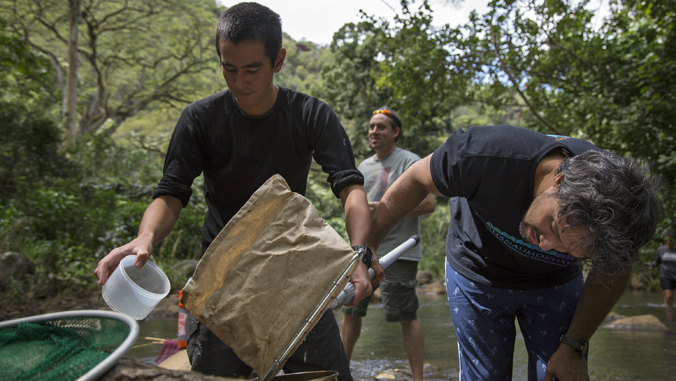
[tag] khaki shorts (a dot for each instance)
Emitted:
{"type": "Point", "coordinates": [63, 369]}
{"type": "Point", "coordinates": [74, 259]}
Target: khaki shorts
{"type": "Point", "coordinates": [400, 300]}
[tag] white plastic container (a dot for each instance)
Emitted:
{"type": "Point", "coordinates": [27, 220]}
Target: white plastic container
{"type": "Point", "coordinates": [133, 291]}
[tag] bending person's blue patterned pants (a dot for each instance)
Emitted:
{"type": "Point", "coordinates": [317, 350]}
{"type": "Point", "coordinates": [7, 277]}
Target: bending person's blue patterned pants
{"type": "Point", "coordinates": [483, 319]}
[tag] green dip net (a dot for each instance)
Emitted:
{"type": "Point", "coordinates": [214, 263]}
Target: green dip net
{"type": "Point", "coordinates": [58, 349]}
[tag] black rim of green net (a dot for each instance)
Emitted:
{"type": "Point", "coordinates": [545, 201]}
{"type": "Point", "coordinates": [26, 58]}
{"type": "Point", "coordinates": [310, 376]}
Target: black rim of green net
{"type": "Point", "coordinates": [89, 343]}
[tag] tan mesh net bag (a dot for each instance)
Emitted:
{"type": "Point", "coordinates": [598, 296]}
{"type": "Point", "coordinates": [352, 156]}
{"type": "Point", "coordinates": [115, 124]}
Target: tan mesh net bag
{"type": "Point", "coordinates": [271, 267]}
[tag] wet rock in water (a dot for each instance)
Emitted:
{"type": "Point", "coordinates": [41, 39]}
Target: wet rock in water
{"type": "Point", "coordinates": [437, 287]}
{"type": "Point", "coordinates": [166, 308]}
{"type": "Point", "coordinates": [641, 322]}
{"type": "Point", "coordinates": [129, 369]}
{"type": "Point", "coordinates": [424, 277]}
{"type": "Point", "coordinates": [636, 282]}
{"type": "Point", "coordinates": [177, 361]}
{"type": "Point", "coordinates": [377, 296]}
{"type": "Point", "coordinates": [405, 374]}
{"type": "Point", "coordinates": [614, 316]}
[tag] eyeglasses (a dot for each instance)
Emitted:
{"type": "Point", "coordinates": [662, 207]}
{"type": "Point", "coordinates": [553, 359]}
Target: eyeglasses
{"type": "Point", "coordinates": [383, 111]}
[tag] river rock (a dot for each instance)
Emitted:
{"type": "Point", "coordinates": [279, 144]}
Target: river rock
{"type": "Point", "coordinates": [437, 287]}
{"type": "Point", "coordinates": [14, 266]}
{"type": "Point", "coordinates": [166, 308]}
{"type": "Point", "coordinates": [377, 296]}
{"type": "Point", "coordinates": [405, 374]}
{"type": "Point", "coordinates": [128, 369]}
{"type": "Point", "coordinates": [614, 316]}
{"type": "Point", "coordinates": [637, 282]}
{"type": "Point", "coordinates": [177, 361]}
{"type": "Point", "coordinates": [424, 277]}
{"type": "Point", "coordinates": [641, 322]}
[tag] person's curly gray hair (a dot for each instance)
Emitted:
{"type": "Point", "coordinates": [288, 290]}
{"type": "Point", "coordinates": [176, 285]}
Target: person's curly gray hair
{"type": "Point", "coordinates": [616, 200]}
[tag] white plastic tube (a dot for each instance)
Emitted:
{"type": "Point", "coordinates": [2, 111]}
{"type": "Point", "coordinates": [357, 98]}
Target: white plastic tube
{"type": "Point", "coordinates": [348, 292]}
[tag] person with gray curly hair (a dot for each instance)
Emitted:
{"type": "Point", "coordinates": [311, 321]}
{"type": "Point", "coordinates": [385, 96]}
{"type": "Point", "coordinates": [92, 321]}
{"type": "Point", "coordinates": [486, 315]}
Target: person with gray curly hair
{"type": "Point", "coordinates": [528, 211]}
{"type": "Point", "coordinates": [615, 203]}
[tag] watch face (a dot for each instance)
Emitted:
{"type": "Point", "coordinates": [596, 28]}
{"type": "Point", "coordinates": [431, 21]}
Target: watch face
{"type": "Point", "coordinates": [367, 257]}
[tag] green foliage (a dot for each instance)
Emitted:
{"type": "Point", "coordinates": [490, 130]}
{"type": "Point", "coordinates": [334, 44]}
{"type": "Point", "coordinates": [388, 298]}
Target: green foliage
{"type": "Point", "coordinates": [433, 239]}
{"type": "Point", "coordinates": [540, 64]}
{"type": "Point", "coordinates": [69, 224]}
{"type": "Point", "coordinates": [612, 86]}
{"type": "Point", "coordinates": [134, 54]}
{"type": "Point", "coordinates": [419, 67]}
{"type": "Point", "coordinates": [24, 74]}
{"type": "Point", "coordinates": [537, 63]}
{"type": "Point", "coordinates": [303, 65]}
{"type": "Point", "coordinates": [28, 149]}
{"type": "Point", "coordinates": [327, 204]}
{"type": "Point", "coordinates": [29, 136]}
{"type": "Point", "coordinates": [349, 81]}
{"type": "Point", "coordinates": [410, 66]}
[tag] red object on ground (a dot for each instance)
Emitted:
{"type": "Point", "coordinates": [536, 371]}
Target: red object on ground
{"type": "Point", "coordinates": [182, 323]}
{"type": "Point", "coordinates": [169, 347]}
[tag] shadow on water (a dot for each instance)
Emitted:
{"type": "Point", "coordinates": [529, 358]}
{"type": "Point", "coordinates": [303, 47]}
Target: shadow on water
{"type": "Point", "coordinates": [613, 355]}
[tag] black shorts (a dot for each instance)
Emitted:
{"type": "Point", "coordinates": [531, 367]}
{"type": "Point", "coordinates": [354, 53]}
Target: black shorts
{"type": "Point", "coordinates": [668, 283]}
{"type": "Point", "coordinates": [321, 350]}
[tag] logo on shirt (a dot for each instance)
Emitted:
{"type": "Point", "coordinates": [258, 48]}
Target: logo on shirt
{"type": "Point", "coordinates": [376, 183]}
{"type": "Point", "coordinates": [529, 251]}
{"type": "Point", "coordinates": [669, 256]}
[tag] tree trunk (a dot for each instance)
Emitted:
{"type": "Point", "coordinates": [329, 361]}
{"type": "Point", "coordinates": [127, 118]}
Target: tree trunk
{"type": "Point", "coordinates": [70, 112]}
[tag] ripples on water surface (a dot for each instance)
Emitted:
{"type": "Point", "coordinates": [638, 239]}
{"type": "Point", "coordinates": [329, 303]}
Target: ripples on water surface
{"type": "Point", "coordinates": [613, 355]}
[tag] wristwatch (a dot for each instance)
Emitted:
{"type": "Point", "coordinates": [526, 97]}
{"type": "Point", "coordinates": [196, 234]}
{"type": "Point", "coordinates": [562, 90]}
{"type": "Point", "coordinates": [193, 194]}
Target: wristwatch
{"type": "Point", "coordinates": [368, 255]}
{"type": "Point", "coordinates": [581, 347]}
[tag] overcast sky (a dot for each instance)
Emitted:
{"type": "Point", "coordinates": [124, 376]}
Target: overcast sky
{"type": "Point", "coordinates": [317, 20]}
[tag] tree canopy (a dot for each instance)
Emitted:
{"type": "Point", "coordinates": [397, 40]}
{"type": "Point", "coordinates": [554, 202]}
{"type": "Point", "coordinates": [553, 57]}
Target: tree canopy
{"type": "Point", "coordinates": [553, 66]}
{"type": "Point", "coordinates": [134, 54]}
{"type": "Point", "coordinates": [558, 67]}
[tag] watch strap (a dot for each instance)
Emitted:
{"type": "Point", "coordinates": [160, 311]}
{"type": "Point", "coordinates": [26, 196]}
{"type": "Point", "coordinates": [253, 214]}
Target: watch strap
{"type": "Point", "coordinates": [367, 258]}
{"type": "Point", "coordinates": [581, 347]}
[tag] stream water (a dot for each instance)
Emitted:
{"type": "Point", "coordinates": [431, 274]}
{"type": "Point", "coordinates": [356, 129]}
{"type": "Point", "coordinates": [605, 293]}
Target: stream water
{"type": "Point", "coordinates": [613, 355]}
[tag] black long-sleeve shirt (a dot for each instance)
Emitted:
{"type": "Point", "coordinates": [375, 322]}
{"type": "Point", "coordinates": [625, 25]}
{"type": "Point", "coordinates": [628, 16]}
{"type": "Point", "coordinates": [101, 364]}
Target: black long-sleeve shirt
{"type": "Point", "coordinates": [238, 154]}
{"type": "Point", "coordinates": [666, 259]}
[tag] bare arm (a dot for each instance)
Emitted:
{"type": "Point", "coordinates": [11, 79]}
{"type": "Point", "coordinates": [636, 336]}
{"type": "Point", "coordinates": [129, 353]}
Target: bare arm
{"type": "Point", "coordinates": [427, 206]}
{"type": "Point", "coordinates": [158, 221]}
{"type": "Point", "coordinates": [595, 302]}
{"type": "Point", "coordinates": [357, 224]}
{"type": "Point", "coordinates": [402, 198]}
{"type": "Point", "coordinates": [656, 262]}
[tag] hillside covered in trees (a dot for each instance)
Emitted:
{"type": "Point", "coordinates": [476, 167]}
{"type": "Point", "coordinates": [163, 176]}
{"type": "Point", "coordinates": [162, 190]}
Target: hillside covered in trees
{"type": "Point", "coordinates": [90, 91]}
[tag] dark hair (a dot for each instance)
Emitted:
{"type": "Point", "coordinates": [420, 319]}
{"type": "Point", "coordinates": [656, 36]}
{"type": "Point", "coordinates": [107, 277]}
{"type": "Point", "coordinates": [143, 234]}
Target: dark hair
{"type": "Point", "coordinates": [669, 232]}
{"type": "Point", "coordinates": [395, 120]}
{"type": "Point", "coordinates": [250, 22]}
{"type": "Point", "coordinates": [616, 201]}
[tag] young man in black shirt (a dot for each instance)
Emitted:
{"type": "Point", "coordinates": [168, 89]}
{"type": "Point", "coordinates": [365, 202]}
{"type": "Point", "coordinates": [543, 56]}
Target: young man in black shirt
{"type": "Point", "coordinates": [527, 208]}
{"type": "Point", "coordinates": [239, 138]}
